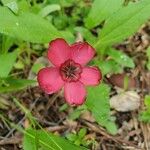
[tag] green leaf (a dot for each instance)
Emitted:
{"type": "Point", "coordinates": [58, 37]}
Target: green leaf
{"type": "Point", "coordinates": [9, 84]}
{"type": "Point", "coordinates": [111, 127]}
{"type": "Point", "coordinates": [98, 103]}
{"type": "Point", "coordinates": [11, 4]}
{"type": "Point", "coordinates": [72, 137]}
{"type": "Point", "coordinates": [145, 115]}
{"type": "Point", "coordinates": [121, 58]}
{"type": "Point", "coordinates": [23, 6]}
{"type": "Point", "coordinates": [101, 10]}
{"type": "Point", "coordinates": [108, 66]}
{"type": "Point", "coordinates": [147, 101]}
{"type": "Point", "coordinates": [46, 141]}
{"type": "Point", "coordinates": [29, 141]}
{"type": "Point", "coordinates": [76, 113]}
{"type": "Point", "coordinates": [19, 65]}
{"type": "Point", "coordinates": [26, 26]}
{"type": "Point", "coordinates": [148, 55]}
{"type": "Point", "coordinates": [63, 107]}
{"type": "Point", "coordinates": [7, 42]}
{"type": "Point", "coordinates": [49, 9]}
{"type": "Point", "coordinates": [68, 36]}
{"type": "Point", "coordinates": [6, 63]}
{"type": "Point", "coordinates": [82, 133]}
{"type": "Point", "coordinates": [36, 67]}
{"type": "Point", "coordinates": [124, 23]}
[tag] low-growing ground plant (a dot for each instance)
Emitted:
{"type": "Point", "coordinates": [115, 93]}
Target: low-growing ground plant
{"type": "Point", "coordinates": [66, 51]}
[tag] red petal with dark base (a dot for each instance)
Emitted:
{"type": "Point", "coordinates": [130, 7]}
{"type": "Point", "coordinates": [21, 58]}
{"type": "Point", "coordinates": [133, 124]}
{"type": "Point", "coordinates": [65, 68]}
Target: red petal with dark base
{"type": "Point", "coordinates": [75, 93]}
{"type": "Point", "coordinates": [59, 51]}
{"type": "Point", "coordinates": [50, 80]}
{"type": "Point", "coordinates": [90, 76]}
{"type": "Point", "coordinates": [82, 52]}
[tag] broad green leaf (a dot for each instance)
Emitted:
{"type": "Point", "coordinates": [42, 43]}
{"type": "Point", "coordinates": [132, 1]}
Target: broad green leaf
{"type": "Point", "coordinates": [124, 23]}
{"type": "Point", "coordinates": [121, 58]}
{"type": "Point", "coordinates": [7, 42]}
{"type": "Point", "coordinates": [36, 67]}
{"type": "Point", "coordinates": [11, 4]}
{"type": "Point", "coordinates": [147, 101]}
{"type": "Point", "coordinates": [145, 115]}
{"type": "Point", "coordinates": [108, 67]}
{"type": "Point", "coordinates": [82, 133]}
{"type": "Point", "coordinates": [48, 9]}
{"type": "Point", "coordinates": [46, 141]}
{"type": "Point", "coordinates": [23, 6]}
{"type": "Point", "coordinates": [111, 127]}
{"type": "Point", "coordinates": [29, 141]}
{"type": "Point", "coordinates": [9, 84]}
{"type": "Point", "coordinates": [7, 61]}
{"type": "Point", "coordinates": [101, 10]}
{"type": "Point", "coordinates": [98, 103]}
{"type": "Point", "coordinates": [68, 36]}
{"type": "Point", "coordinates": [26, 26]}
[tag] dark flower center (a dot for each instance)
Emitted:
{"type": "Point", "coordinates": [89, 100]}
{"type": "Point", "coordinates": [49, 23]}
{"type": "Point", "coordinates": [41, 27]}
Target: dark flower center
{"type": "Point", "coordinates": [70, 71]}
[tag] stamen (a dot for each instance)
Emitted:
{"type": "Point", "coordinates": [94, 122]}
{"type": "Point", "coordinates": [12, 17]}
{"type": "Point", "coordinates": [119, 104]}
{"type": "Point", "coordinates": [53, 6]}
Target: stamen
{"type": "Point", "coordinates": [70, 71]}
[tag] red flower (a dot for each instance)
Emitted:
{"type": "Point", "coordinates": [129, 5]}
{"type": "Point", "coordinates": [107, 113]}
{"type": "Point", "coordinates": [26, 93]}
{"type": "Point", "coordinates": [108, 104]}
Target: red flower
{"type": "Point", "coordinates": [69, 70]}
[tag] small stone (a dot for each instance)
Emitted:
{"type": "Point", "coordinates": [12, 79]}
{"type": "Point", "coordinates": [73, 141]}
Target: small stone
{"type": "Point", "coordinates": [125, 101]}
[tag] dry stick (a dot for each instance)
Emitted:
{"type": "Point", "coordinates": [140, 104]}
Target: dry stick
{"type": "Point", "coordinates": [102, 132]}
{"type": "Point", "coordinates": [21, 121]}
{"type": "Point", "coordinates": [47, 122]}
{"type": "Point", "coordinates": [12, 140]}
{"type": "Point", "coordinates": [146, 133]}
{"type": "Point", "coordinates": [12, 130]}
{"type": "Point", "coordinates": [145, 127]}
{"type": "Point", "coordinates": [56, 128]}
{"type": "Point", "coordinates": [50, 102]}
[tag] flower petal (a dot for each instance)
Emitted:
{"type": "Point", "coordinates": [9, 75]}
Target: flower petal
{"type": "Point", "coordinates": [91, 76]}
{"type": "Point", "coordinates": [74, 93]}
{"type": "Point", "coordinates": [50, 80]}
{"type": "Point", "coordinates": [82, 52]}
{"type": "Point", "coordinates": [59, 51]}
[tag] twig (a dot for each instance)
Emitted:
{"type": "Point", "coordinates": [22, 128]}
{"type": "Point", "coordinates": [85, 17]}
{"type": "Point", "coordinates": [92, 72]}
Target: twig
{"type": "Point", "coordinates": [101, 131]}
{"type": "Point", "coordinates": [12, 140]}
{"type": "Point", "coordinates": [21, 121]}
{"type": "Point", "coordinates": [56, 128]}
